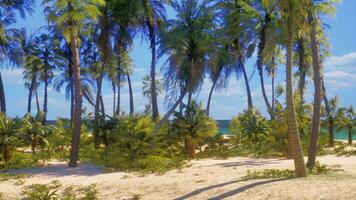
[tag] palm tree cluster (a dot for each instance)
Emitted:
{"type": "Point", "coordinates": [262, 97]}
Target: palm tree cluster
{"type": "Point", "coordinates": [88, 41]}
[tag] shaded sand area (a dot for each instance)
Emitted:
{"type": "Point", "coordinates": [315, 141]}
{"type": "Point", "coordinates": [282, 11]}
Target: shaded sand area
{"type": "Point", "coordinates": [205, 179]}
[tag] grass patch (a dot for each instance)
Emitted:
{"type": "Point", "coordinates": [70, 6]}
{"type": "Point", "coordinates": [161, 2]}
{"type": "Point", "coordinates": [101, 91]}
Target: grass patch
{"type": "Point", "coordinates": [8, 176]}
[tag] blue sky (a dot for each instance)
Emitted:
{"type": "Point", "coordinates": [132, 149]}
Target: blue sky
{"type": "Point", "coordinates": [339, 73]}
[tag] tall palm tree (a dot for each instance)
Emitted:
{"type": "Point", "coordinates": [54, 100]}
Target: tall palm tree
{"type": "Point", "coordinates": [9, 47]}
{"type": "Point", "coordinates": [70, 16]}
{"type": "Point", "coordinates": [47, 50]}
{"type": "Point", "coordinates": [220, 66]}
{"type": "Point", "coordinates": [240, 28]}
{"type": "Point", "coordinates": [292, 22]}
{"type": "Point", "coordinates": [33, 126]}
{"type": "Point", "coordinates": [152, 17]}
{"type": "Point", "coordinates": [126, 15]}
{"type": "Point", "coordinates": [186, 41]}
{"type": "Point", "coordinates": [314, 32]}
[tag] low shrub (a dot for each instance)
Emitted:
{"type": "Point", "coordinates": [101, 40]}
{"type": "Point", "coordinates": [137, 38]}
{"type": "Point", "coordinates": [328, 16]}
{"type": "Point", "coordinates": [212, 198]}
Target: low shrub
{"type": "Point", "coordinates": [270, 173]}
{"type": "Point", "coordinates": [20, 160]}
{"type": "Point", "coordinates": [160, 165]}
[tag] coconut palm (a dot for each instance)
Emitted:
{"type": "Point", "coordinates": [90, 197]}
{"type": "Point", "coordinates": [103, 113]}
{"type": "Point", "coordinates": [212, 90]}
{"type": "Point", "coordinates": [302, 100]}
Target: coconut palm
{"type": "Point", "coordinates": [126, 16]}
{"type": "Point", "coordinates": [220, 66]}
{"type": "Point", "coordinates": [153, 16]}
{"type": "Point", "coordinates": [314, 32]}
{"type": "Point", "coordinates": [146, 90]}
{"type": "Point", "coordinates": [34, 128]}
{"type": "Point", "coordinates": [70, 17]}
{"type": "Point", "coordinates": [348, 121]}
{"type": "Point", "coordinates": [47, 50]}
{"type": "Point", "coordinates": [240, 28]}
{"type": "Point", "coordinates": [186, 41]}
{"type": "Point", "coordinates": [8, 135]}
{"type": "Point", "coordinates": [193, 125]}
{"type": "Point", "coordinates": [292, 23]}
{"type": "Point", "coordinates": [9, 43]}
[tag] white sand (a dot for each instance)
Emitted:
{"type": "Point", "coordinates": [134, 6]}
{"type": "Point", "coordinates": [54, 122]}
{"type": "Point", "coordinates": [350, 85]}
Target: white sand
{"type": "Point", "coordinates": [205, 179]}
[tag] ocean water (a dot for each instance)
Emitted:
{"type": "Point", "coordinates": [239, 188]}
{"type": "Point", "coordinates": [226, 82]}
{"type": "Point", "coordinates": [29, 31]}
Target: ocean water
{"type": "Point", "coordinates": [224, 129]}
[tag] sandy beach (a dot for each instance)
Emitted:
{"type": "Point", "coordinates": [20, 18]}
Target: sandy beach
{"type": "Point", "coordinates": [204, 179]}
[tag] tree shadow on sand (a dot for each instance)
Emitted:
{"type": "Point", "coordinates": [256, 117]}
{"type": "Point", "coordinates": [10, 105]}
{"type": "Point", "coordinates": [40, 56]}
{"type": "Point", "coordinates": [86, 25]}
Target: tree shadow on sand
{"type": "Point", "coordinates": [230, 193]}
{"type": "Point", "coordinates": [252, 162]}
{"type": "Point", "coordinates": [61, 169]}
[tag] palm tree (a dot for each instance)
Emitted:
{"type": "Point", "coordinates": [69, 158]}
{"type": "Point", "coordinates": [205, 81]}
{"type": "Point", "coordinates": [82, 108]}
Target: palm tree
{"type": "Point", "coordinates": [240, 28]}
{"type": "Point", "coordinates": [33, 127]}
{"type": "Point", "coordinates": [348, 121]}
{"type": "Point", "coordinates": [220, 66]}
{"type": "Point", "coordinates": [8, 134]}
{"type": "Point", "coordinates": [153, 16]}
{"type": "Point", "coordinates": [186, 41]}
{"type": "Point", "coordinates": [126, 15]}
{"type": "Point", "coordinates": [146, 90]}
{"type": "Point", "coordinates": [9, 47]}
{"type": "Point", "coordinates": [70, 17]}
{"type": "Point", "coordinates": [193, 125]}
{"type": "Point", "coordinates": [292, 21]}
{"type": "Point", "coordinates": [315, 47]}
{"type": "Point", "coordinates": [47, 50]}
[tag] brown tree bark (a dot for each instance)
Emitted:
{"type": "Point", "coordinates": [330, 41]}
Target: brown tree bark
{"type": "Point", "coordinates": [2, 96]}
{"type": "Point", "coordinates": [314, 136]}
{"type": "Point", "coordinates": [294, 140]}
{"type": "Point", "coordinates": [73, 161]}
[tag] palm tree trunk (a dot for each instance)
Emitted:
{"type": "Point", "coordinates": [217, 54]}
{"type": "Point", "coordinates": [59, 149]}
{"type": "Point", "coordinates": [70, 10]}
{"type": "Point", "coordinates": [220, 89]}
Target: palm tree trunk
{"type": "Point", "coordinates": [34, 144]}
{"type": "Point", "coordinates": [97, 111]}
{"type": "Point", "coordinates": [329, 117]}
{"type": "Point", "coordinates": [190, 94]}
{"type": "Point", "coordinates": [2, 96]}
{"type": "Point", "coordinates": [5, 152]}
{"type": "Point", "coordinates": [118, 109]}
{"type": "Point", "coordinates": [170, 112]}
{"type": "Point", "coordinates": [294, 140]}
{"type": "Point", "coordinates": [30, 93]}
{"type": "Point", "coordinates": [350, 135]}
{"type": "Point", "coordinates": [73, 161]}
{"type": "Point", "coordinates": [210, 95]}
{"type": "Point", "coordinates": [302, 70]}
{"type": "Point", "coordinates": [114, 101]}
{"type": "Point", "coordinates": [248, 90]}
{"type": "Point", "coordinates": [45, 100]}
{"type": "Point", "coordinates": [72, 106]}
{"type": "Point", "coordinates": [331, 132]}
{"type": "Point", "coordinates": [37, 102]}
{"type": "Point", "coordinates": [264, 93]}
{"type": "Point", "coordinates": [313, 146]}
{"type": "Point", "coordinates": [132, 111]}
{"type": "Point", "coordinates": [152, 37]}
{"type": "Point", "coordinates": [261, 46]}
{"type": "Point", "coordinates": [273, 97]}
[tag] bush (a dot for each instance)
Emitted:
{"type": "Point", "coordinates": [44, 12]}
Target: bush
{"type": "Point", "coordinates": [19, 160]}
{"type": "Point", "coordinates": [160, 165]}
{"type": "Point", "coordinates": [270, 173]}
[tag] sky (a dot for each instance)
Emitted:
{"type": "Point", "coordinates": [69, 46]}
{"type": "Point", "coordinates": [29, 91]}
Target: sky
{"type": "Point", "coordinates": [339, 73]}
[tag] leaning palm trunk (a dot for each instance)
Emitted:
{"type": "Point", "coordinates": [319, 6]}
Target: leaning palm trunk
{"type": "Point", "coordinates": [37, 102]}
{"type": "Point", "coordinates": [73, 162]}
{"type": "Point", "coordinates": [317, 100]}
{"type": "Point", "coordinates": [294, 140]}
{"type": "Point", "coordinates": [248, 90]}
{"type": "Point", "coordinates": [302, 70]}
{"type": "Point", "coordinates": [97, 110]}
{"type": "Point", "coordinates": [170, 112]}
{"type": "Point", "coordinates": [132, 111]}
{"type": "Point", "coordinates": [2, 96]}
{"type": "Point", "coordinates": [210, 95]}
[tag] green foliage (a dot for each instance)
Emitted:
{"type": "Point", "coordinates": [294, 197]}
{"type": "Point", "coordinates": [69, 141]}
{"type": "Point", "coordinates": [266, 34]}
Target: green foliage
{"type": "Point", "coordinates": [8, 176]}
{"type": "Point", "coordinates": [8, 134]}
{"type": "Point", "coordinates": [19, 160]}
{"type": "Point", "coordinates": [194, 125]}
{"type": "Point", "coordinates": [160, 165]}
{"type": "Point", "coordinates": [320, 169]}
{"type": "Point", "coordinates": [270, 173]}
{"type": "Point", "coordinates": [250, 125]}
{"type": "Point", "coordinates": [54, 191]}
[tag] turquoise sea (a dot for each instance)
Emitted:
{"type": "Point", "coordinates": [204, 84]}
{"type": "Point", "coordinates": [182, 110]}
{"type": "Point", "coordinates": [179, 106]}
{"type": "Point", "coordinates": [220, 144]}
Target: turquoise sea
{"type": "Point", "coordinates": [224, 129]}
